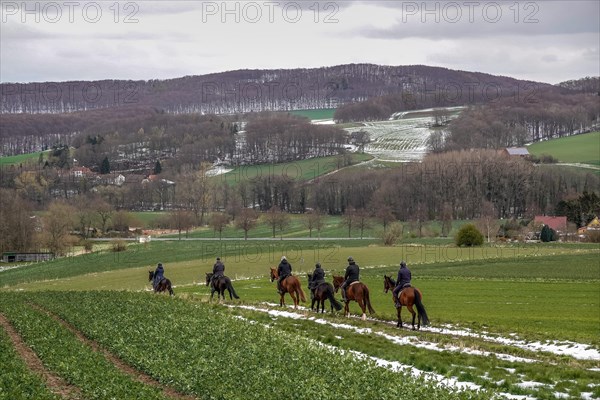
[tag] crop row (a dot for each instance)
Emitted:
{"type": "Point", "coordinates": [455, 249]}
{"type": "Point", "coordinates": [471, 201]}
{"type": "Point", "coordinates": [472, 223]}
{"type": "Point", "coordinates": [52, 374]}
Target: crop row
{"type": "Point", "coordinates": [65, 355]}
{"type": "Point", "coordinates": [205, 351]}
{"type": "Point", "coordinates": [16, 381]}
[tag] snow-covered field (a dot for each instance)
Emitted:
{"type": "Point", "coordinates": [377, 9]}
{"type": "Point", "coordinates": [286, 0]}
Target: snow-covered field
{"type": "Point", "coordinates": [570, 349]}
{"type": "Point", "coordinates": [397, 140]}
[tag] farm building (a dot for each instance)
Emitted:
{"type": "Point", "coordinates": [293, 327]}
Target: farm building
{"type": "Point", "coordinates": [26, 257]}
{"type": "Point", "coordinates": [594, 225]}
{"type": "Point", "coordinates": [559, 224]}
{"type": "Point", "coordinates": [516, 151]}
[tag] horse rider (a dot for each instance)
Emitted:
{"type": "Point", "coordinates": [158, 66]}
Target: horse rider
{"type": "Point", "coordinates": [159, 274]}
{"type": "Point", "coordinates": [218, 270]}
{"type": "Point", "coordinates": [352, 275]}
{"type": "Point", "coordinates": [403, 281]}
{"type": "Point", "coordinates": [318, 277]}
{"type": "Point", "coordinates": [283, 270]}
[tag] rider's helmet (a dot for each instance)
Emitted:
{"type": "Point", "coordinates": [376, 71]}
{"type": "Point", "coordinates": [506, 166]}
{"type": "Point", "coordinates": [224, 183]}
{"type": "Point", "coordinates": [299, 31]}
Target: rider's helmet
{"type": "Point", "coordinates": [318, 265]}
{"type": "Point", "coordinates": [402, 264]}
{"type": "Point", "coordinates": [283, 258]}
{"type": "Point", "coordinates": [159, 265]}
{"type": "Point", "coordinates": [218, 258]}
{"type": "Point", "coordinates": [350, 259]}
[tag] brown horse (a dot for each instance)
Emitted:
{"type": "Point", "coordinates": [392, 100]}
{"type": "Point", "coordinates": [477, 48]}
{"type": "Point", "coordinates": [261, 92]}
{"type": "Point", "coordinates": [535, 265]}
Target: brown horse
{"type": "Point", "coordinates": [408, 297]}
{"type": "Point", "coordinates": [163, 286]}
{"type": "Point", "coordinates": [291, 285]}
{"type": "Point", "coordinates": [323, 292]}
{"type": "Point", "coordinates": [220, 285]}
{"type": "Point", "coordinates": [358, 292]}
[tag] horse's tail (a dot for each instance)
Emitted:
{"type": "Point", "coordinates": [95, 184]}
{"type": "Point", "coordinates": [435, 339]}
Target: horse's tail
{"type": "Point", "coordinates": [368, 300]}
{"type": "Point", "coordinates": [336, 304]}
{"type": "Point", "coordinates": [231, 289]}
{"type": "Point", "coordinates": [171, 292]}
{"type": "Point", "coordinates": [302, 296]}
{"type": "Point", "coordinates": [421, 308]}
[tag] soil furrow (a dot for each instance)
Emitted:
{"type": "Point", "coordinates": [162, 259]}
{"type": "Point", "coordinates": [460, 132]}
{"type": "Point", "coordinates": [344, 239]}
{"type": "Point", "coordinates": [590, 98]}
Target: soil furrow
{"type": "Point", "coordinates": [117, 362]}
{"type": "Point", "coordinates": [55, 383]}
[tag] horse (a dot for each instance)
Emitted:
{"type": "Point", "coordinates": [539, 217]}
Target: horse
{"type": "Point", "coordinates": [356, 291]}
{"type": "Point", "coordinates": [162, 286]}
{"type": "Point", "coordinates": [291, 285]}
{"type": "Point", "coordinates": [321, 293]}
{"type": "Point", "coordinates": [408, 297]}
{"type": "Point", "coordinates": [220, 285]}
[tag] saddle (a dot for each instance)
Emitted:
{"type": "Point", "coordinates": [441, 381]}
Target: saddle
{"type": "Point", "coordinates": [405, 286]}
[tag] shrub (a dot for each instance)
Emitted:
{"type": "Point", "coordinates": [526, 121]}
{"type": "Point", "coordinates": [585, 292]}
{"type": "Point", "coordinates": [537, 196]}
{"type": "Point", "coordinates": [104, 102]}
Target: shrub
{"type": "Point", "coordinates": [469, 235]}
{"type": "Point", "coordinates": [548, 234]}
{"type": "Point", "coordinates": [119, 245]}
{"type": "Point", "coordinates": [391, 235]}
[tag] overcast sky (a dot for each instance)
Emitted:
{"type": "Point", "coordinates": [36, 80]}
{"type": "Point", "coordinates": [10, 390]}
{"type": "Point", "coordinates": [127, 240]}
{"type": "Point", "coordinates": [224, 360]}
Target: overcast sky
{"type": "Point", "coordinates": [547, 41]}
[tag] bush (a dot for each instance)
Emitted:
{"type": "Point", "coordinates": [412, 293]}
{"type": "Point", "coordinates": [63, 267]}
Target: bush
{"type": "Point", "coordinates": [391, 235]}
{"type": "Point", "coordinates": [548, 234]}
{"type": "Point", "coordinates": [119, 245]}
{"type": "Point", "coordinates": [469, 235]}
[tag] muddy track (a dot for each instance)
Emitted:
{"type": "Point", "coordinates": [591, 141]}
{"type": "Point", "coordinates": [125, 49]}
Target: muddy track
{"type": "Point", "coordinates": [55, 383]}
{"type": "Point", "coordinates": [117, 362]}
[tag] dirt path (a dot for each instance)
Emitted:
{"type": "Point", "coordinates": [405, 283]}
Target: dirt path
{"type": "Point", "coordinates": [54, 382]}
{"type": "Point", "coordinates": [117, 362]}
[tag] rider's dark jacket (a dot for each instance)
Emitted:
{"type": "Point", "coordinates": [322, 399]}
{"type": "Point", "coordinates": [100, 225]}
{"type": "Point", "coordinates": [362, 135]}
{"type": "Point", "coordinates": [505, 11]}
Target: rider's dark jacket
{"type": "Point", "coordinates": [284, 269]}
{"type": "Point", "coordinates": [159, 274]}
{"type": "Point", "coordinates": [218, 269]}
{"type": "Point", "coordinates": [352, 273]}
{"type": "Point", "coordinates": [318, 277]}
{"type": "Point", "coordinates": [404, 276]}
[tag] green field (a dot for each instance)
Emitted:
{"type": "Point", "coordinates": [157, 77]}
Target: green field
{"type": "Point", "coordinates": [302, 170]}
{"type": "Point", "coordinates": [488, 307]}
{"type": "Point", "coordinates": [22, 158]}
{"type": "Point", "coordinates": [583, 149]}
{"type": "Point", "coordinates": [323, 113]}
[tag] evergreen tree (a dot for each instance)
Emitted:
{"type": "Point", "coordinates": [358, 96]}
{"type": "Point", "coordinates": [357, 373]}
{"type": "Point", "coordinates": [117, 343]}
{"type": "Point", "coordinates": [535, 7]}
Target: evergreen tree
{"type": "Point", "coordinates": [157, 168]}
{"type": "Point", "coordinates": [105, 166]}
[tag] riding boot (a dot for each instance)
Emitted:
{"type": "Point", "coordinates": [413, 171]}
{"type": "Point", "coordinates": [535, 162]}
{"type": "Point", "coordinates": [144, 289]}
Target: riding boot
{"type": "Point", "coordinates": [344, 294]}
{"type": "Point", "coordinates": [312, 294]}
{"type": "Point", "coordinates": [397, 303]}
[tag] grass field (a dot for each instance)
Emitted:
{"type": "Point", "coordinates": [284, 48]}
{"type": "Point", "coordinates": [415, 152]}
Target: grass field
{"type": "Point", "coordinates": [323, 113]}
{"type": "Point", "coordinates": [22, 158]}
{"type": "Point", "coordinates": [583, 149]}
{"type": "Point", "coordinates": [511, 320]}
{"type": "Point", "coordinates": [303, 170]}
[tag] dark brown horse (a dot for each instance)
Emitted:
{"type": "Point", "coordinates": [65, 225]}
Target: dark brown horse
{"type": "Point", "coordinates": [219, 285]}
{"type": "Point", "coordinates": [163, 286]}
{"type": "Point", "coordinates": [291, 285]}
{"type": "Point", "coordinates": [321, 293]}
{"type": "Point", "coordinates": [408, 297]}
{"type": "Point", "coordinates": [356, 291]}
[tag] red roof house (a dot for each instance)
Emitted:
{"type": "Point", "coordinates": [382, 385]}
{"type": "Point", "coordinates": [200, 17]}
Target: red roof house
{"type": "Point", "coordinates": [559, 224]}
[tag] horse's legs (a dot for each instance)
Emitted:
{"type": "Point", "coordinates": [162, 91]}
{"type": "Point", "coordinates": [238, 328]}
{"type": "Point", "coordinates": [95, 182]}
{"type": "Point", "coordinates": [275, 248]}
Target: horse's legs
{"type": "Point", "coordinates": [399, 325]}
{"type": "Point", "coordinates": [410, 308]}
{"type": "Point", "coordinates": [362, 305]}
{"type": "Point", "coordinates": [295, 296]}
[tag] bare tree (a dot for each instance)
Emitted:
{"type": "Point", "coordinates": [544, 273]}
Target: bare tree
{"type": "Point", "coordinates": [348, 219]}
{"type": "Point", "coordinates": [104, 211]}
{"type": "Point", "coordinates": [218, 221]}
{"type": "Point", "coordinates": [488, 220]}
{"type": "Point", "coordinates": [363, 220]}
{"type": "Point", "coordinates": [17, 227]}
{"type": "Point", "coordinates": [246, 220]}
{"type": "Point", "coordinates": [181, 220]}
{"type": "Point", "coordinates": [446, 219]}
{"type": "Point", "coordinates": [313, 220]}
{"type": "Point", "coordinates": [58, 223]}
{"type": "Point", "coordinates": [383, 214]}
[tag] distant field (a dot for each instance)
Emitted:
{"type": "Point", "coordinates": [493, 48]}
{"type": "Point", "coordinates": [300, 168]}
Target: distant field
{"type": "Point", "coordinates": [303, 170]}
{"type": "Point", "coordinates": [21, 158]}
{"type": "Point", "coordinates": [584, 149]}
{"type": "Point", "coordinates": [324, 113]}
